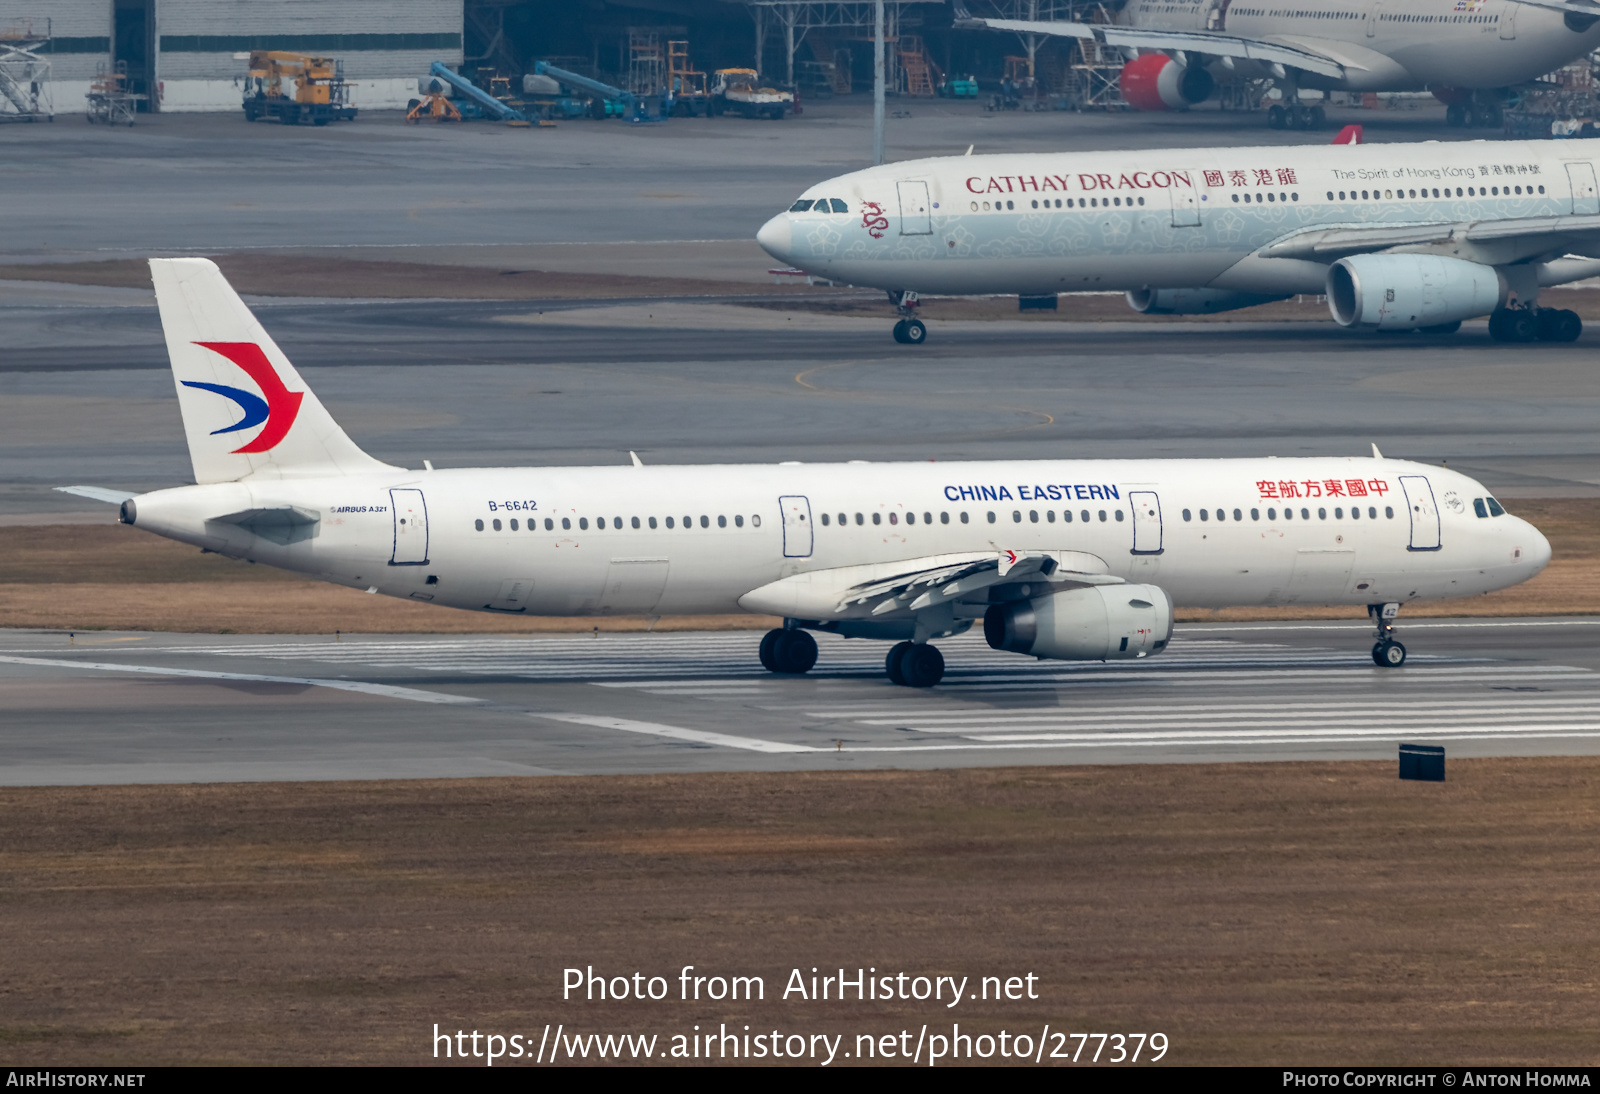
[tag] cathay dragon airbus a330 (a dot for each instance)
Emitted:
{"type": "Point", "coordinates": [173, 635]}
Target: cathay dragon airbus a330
{"type": "Point", "coordinates": [1075, 560]}
{"type": "Point", "coordinates": [1399, 236]}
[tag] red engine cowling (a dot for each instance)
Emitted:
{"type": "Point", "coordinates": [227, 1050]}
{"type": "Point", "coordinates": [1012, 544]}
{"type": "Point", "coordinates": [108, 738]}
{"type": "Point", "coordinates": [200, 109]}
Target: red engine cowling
{"type": "Point", "coordinates": [1154, 81]}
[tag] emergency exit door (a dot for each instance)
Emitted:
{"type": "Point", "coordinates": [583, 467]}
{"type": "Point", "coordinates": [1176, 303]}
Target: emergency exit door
{"type": "Point", "coordinates": [1424, 512]}
{"type": "Point", "coordinates": [916, 219]}
{"type": "Point", "coordinates": [1585, 199]}
{"type": "Point", "coordinates": [1185, 201]}
{"type": "Point", "coordinates": [796, 526]}
{"type": "Point", "coordinates": [410, 528]}
{"type": "Point", "coordinates": [1146, 522]}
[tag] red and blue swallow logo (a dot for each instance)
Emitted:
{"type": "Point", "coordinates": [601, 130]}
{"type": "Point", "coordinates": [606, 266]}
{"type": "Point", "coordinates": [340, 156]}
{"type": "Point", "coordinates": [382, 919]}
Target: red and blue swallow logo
{"type": "Point", "coordinates": [278, 409]}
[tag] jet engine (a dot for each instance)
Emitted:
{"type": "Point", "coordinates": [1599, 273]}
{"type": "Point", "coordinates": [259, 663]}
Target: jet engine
{"type": "Point", "coordinates": [1403, 292]}
{"type": "Point", "coordinates": [1100, 623]}
{"type": "Point", "coordinates": [1193, 301]}
{"type": "Point", "coordinates": [1154, 81]}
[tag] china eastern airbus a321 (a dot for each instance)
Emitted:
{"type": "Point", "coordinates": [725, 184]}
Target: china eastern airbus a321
{"type": "Point", "coordinates": [1399, 236]}
{"type": "Point", "coordinates": [1077, 560]}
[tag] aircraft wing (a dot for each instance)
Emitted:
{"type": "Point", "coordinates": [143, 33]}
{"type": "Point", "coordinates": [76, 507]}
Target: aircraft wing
{"type": "Point", "coordinates": [1328, 244]}
{"type": "Point", "coordinates": [1585, 9]}
{"type": "Point", "coordinates": [918, 584]}
{"type": "Point", "coordinates": [1187, 41]}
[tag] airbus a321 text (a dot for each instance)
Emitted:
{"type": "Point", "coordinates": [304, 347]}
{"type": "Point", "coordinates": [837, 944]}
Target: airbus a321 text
{"type": "Point", "coordinates": [1065, 559]}
{"type": "Point", "coordinates": [1399, 236]}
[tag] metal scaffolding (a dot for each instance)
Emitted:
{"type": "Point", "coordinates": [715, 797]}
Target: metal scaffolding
{"type": "Point", "coordinates": [25, 74]}
{"type": "Point", "coordinates": [827, 22]}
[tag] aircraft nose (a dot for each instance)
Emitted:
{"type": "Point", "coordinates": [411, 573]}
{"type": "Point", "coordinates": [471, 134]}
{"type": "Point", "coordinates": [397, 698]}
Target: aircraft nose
{"type": "Point", "coordinates": [774, 237]}
{"type": "Point", "coordinates": [1536, 553]}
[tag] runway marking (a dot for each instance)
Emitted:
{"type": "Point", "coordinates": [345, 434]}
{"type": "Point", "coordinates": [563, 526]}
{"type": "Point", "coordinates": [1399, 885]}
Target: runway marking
{"type": "Point", "coordinates": [386, 691]}
{"type": "Point", "coordinates": [655, 729]}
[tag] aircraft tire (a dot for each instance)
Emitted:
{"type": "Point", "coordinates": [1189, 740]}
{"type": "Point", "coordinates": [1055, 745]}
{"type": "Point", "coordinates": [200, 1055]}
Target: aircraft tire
{"type": "Point", "coordinates": [916, 332]}
{"type": "Point", "coordinates": [1318, 118]}
{"type": "Point", "coordinates": [769, 643]}
{"type": "Point", "coordinates": [1277, 117]}
{"type": "Point", "coordinates": [795, 652]}
{"type": "Point", "coordinates": [922, 666]}
{"type": "Point", "coordinates": [1388, 654]}
{"type": "Point", "coordinates": [900, 332]}
{"type": "Point", "coordinates": [1559, 325]}
{"type": "Point", "coordinates": [1513, 325]}
{"type": "Point", "coordinates": [892, 663]}
{"type": "Point", "coordinates": [1455, 116]}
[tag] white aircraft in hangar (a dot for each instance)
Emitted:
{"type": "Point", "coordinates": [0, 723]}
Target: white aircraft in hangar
{"type": "Point", "coordinates": [1399, 236]}
{"type": "Point", "coordinates": [1470, 53]}
{"type": "Point", "coordinates": [1077, 560]}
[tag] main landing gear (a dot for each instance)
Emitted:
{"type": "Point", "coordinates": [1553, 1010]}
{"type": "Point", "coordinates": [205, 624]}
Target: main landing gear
{"type": "Point", "coordinates": [1386, 652]}
{"type": "Point", "coordinates": [1475, 116]}
{"type": "Point", "coordinates": [1535, 325]}
{"type": "Point", "coordinates": [909, 331]}
{"type": "Point", "coordinates": [914, 665]}
{"type": "Point", "coordinates": [791, 653]}
{"type": "Point", "coordinates": [1296, 117]}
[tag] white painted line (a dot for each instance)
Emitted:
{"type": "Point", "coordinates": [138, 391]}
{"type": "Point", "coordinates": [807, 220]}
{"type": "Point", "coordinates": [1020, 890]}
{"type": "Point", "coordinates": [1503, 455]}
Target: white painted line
{"type": "Point", "coordinates": [1440, 735]}
{"type": "Point", "coordinates": [1282, 730]}
{"type": "Point", "coordinates": [1401, 624]}
{"type": "Point", "coordinates": [385, 691]}
{"type": "Point", "coordinates": [655, 729]}
{"type": "Point", "coordinates": [1334, 711]}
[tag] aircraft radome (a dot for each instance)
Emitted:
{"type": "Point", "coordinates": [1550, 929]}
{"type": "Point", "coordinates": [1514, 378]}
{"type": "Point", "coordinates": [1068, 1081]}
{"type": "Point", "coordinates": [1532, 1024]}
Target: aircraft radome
{"type": "Point", "coordinates": [1065, 559]}
{"type": "Point", "coordinates": [1398, 236]}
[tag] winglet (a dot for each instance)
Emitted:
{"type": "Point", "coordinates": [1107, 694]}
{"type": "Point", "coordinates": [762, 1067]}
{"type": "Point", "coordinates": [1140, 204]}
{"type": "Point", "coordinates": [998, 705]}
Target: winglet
{"type": "Point", "coordinates": [634, 456]}
{"type": "Point", "coordinates": [1350, 134]}
{"type": "Point", "coordinates": [1375, 453]}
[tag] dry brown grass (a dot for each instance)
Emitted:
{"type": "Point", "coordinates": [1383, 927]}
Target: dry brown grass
{"type": "Point", "coordinates": [1308, 913]}
{"type": "Point", "coordinates": [110, 577]}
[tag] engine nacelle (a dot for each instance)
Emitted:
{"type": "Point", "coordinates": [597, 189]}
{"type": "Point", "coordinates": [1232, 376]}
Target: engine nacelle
{"type": "Point", "coordinates": [1193, 301]}
{"type": "Point", "coordinates": [1154, 81]}
{"type": "Point", "coordinates": [1403, 292]}
{"type": "Point", "coordinates": [1100, 623]}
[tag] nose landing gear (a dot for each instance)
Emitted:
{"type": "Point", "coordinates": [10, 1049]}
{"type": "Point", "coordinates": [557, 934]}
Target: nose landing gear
{"type": "Point", "coordinates": [1386, 652]}
{"type": "Point", "coordinates": [909, 331]}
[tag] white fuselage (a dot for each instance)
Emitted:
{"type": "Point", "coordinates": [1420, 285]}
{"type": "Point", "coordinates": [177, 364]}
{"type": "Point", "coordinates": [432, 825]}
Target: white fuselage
{"type": "Point", "coordinates": [1391, 45]}
{"type": "Point", "coordinates": [1176, 218]}
{"type": "Point", "coordinates": [665, 540]}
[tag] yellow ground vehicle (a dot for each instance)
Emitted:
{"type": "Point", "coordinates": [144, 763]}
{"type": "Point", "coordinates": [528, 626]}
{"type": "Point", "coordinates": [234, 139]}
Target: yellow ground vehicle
{"type": "Point", "coordinates": [296, 88]}
{"type": "Point", "coordinates": [738, 90]}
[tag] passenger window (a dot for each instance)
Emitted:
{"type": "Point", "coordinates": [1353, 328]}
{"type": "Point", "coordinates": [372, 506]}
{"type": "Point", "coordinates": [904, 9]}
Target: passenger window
{"type": "Point", "coordinates": [688, 522]}
{"type": "Point", "coordinates": [1033, 516]}
{"type": "Point", "coordinates": [1066, 515]}
{"type": "Point", "coordinates": [599, 522]}
{"type": "Point", "coordinates": [1084, 514]}
{"type": "Point", "coordinates": [1388, 511]}
{"type": "Point", "coordinates": [549, 525]}
{"type": "Point", "coordinates": [927, 518]}
{"type": "Point", "coordinates": [616, 522]}
{"type": "Point", "coordinates": [1222, 514]}
{"type": "Point", "coordinates": [496, 524]}
{"type": "Point", "coordinates": [635, 522]}
{"type": "Point", "coordinates": [859, 518]}
{"type": "Point", "coordinates": [1102, 516]}
{"type": "Point", "coordinates": [478, 524]}
{"type": "Point", "coordinates": [583, 523]}
{"type": "Point", "coordinates": [944, 518]}
{"type": "Point", "coordinates": [963, 516]}
{"type": "Point", "coordinates": [1338, 513]}
{"type": "Point", "coordinates": [1050, 515]}
{"type": "Point", "coordinates": [824, 520]}
{"type": "Point", "coordinates": [652, 522]}
{"type": "Point", "coordinates": [839, 206]}
{"type": "Point", "coordinates": [1305, 514]}
{"type": "Point", "coordinates": [1288, 514]}
{"type": "Point", "coordinates": [513, 524]}
{"type": "Point", "coordinates": [738, 520]}
{"type": "Point", "coordinates": [877, 518]}
{"type": "Point", "coordinates": [1016, 516]}
{"type": "Point", "coordinates": [1238, 515]}
{"type": "Point", "coordinates": [1355, 512]}
{"type": "Point", "coordinates": [1205, 514]}
{"type": "Point", "coordinates": [1479, 508]}
{"type": "Point", "coordinates": [705, 521]}
{"type": "Point", "coordinates": [1272, 514]}
{"type": "Point", "coordinates": [1255, 514]}
{"type": "Point", "coordinates": [669, 522]}
{"type": "Point", "coordinates": [911, 518]}
{"type": "Point", "coordinates": [1372, 512]}
{"type": "Point", "coordinates": [755, 520]}
{"type": "Point", "coordinates": [991, 516]}
{"type": "Point", "coordinates": [1494, 508]}
{"type": "Point", "coordinates": [1119, 514]}
{"type": "Point", "coordinates": [894, 518]}
{"type": "Point", "coordinates": [1322, 514]}
{"type": "Point", "coordinates": [722, 522]}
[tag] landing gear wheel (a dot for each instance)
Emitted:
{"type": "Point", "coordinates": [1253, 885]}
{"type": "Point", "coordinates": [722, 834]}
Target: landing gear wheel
{"type": "Point", "coordinates": [1455, 116]}
{"type": "Point", "coordinates": [900, 332]}
{"type": "Point", "coordinates": [1277, 117]}
{"type": "Point", "coordinates": [922, 666]}
{"type": "Point", "coordinates": [1317, 118]}
{"type": "Point", "coordinates": [788, 652]}
{"type": "Point", "coordinates": [916, 333]}
{"type": "Point", "coordinates": [892, 663]}
{"type": "Point", "coordinates": [1388, 654]}
{"type": "Point", "coordinates": [1295, 117]}
{"type": "Point", "coordinates": [1513, 325]}
{"type": "Point", "coordinates": [1559, 325]}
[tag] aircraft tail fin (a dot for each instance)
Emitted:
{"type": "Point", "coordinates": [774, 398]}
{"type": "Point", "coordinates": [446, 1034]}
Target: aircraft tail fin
{"type": "Point", "coordinates": [246, 411]}
{"type": "Point", "coordinates": [1350, 134]}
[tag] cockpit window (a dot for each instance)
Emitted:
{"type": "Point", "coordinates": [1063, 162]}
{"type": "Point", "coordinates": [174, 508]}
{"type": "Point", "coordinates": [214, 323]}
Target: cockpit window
{"type": "Point", "coordinates": [1477, 507]}
{"type": "Point", "coordinates": [800, 206]}
{"type": "Point", "coordinates": [839, 206]}
{"type": "Point", "coordinates": [1494, 508]}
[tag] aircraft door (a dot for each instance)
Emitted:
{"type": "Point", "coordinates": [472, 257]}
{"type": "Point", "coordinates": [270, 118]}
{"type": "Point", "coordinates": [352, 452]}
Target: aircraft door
{"type": "Point", "coordinates": [1508, 21]}
{"type": "Point", "coordinates": [1185, 200]}
{"type": "Point", "coordinates": [1585, 199]}
{"type": "Point", "coordinates": [1374, 13]}
{"type": "Point", "coordinates": [634, 584]}
{"type": "Point", "coordinates": [916, 219]}
{"type": "Point", "coordinates": [1424, 512]}
{"type": "Point", "coordinates": [1146, 522]}
{"type": "Point", "coordinates": [796, 526]}
{"type": "Point", "coordinates": [410, 528]}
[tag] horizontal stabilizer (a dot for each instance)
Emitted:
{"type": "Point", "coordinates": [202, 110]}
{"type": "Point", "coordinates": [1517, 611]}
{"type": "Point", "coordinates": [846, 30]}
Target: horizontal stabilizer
{"type": "Point", "coordinates": [97, 493]}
